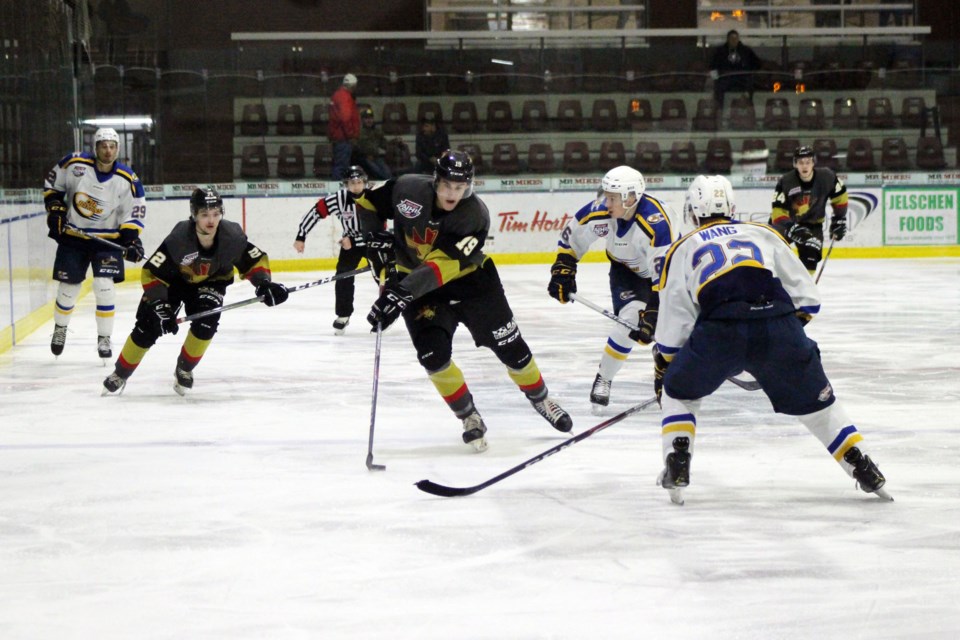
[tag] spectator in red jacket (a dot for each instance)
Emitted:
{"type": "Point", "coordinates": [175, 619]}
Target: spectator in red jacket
{"type": "Point", "coordinates": [344, 126]}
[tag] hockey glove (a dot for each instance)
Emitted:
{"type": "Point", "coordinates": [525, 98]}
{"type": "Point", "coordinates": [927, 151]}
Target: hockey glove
{"type": "Point", "coordinates": [648, 326]}
{"type": "Point", "coordinates": [380, 254]}
{"type": "Point", "coordinates": [134, 251]}
{"type": "Point", "coordinates": [389, 305]}
{"type": "Point", "coordinates": [838, 227]}
{"type": "Point", "coordinates": [803, 237]}
{"type": "Point", "coordinates": [803, 317]}
{"type": "Point", "coordinates": [272, 293]}
{"type": "Point", "coordinates": [563, 278]}
{"type": "Point", "coordinates": [56, 218]}
{"type": "Point", "coordinates": [660, 365]}
{"type": "Point", "coordinates": [162, 317]}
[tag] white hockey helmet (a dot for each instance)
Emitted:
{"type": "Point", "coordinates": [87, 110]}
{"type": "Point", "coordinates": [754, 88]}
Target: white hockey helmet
{"type": "Point", "coordinates": [709, 197]}
{"type": "Point", "coordinates": [623, 180]}
{"type": "Point", "coordinates": [105, 134]}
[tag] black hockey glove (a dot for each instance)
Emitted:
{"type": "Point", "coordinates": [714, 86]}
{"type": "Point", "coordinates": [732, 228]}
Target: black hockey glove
{"type": "Point", "coordinates": [801, 236]}
{"type": "Point", "coordinates": [56, 218]}
{"type": "Point", "coordinates": [660, 365]}
{"type": "Point", "coordinates": [389, 305]}
{"type": "Point", "coordinates": [134, 251]}
{"type": "Point", "coordinates": [272, 293]}
{"type": "Point", "coordinates": [162, 317]}
{"type": "Point", "coordinates": [380, 254]}
{"type": "Point", "coordinates": [648, 326]}
{"type": "Point", "coordinates": [563, 278]}
{"type": "Point", "coordinates": [838, 227]}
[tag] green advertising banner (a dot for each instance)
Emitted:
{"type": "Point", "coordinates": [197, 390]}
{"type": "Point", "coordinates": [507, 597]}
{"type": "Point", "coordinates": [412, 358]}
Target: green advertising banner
{"type": "Point", "coordinates": [920, 216]}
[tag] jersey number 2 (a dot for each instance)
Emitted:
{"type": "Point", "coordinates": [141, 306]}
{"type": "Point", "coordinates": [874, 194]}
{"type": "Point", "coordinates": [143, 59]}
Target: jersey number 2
{"type": "Point", "coordinates": [736, 252]}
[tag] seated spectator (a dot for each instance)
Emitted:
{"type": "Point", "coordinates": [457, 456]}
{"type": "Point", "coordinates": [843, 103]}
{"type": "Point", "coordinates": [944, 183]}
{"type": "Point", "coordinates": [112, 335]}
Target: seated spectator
{"type": "Point", "coordinates": [432, 140]}
{"type": "Point", "coordinates": [371, 148]}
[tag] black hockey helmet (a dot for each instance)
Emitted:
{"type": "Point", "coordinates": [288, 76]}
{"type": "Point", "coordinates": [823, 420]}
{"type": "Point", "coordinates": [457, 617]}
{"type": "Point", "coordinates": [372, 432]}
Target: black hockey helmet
{"type": "Point", "coordinates": [803, 152]}
{"type": "Point", "coordinates": [204, 198]}
{"type": "Point", "coordinates": [355, 172]}
{"type": "Point", "coordinates": [455, 166]}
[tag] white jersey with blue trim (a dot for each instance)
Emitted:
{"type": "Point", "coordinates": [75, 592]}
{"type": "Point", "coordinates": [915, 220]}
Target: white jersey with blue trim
{"type": "Point", "coordinates": [100, 203]}
{"type": "Point", "coordinates": [639, 243]}
{"type": "Point", "coordinates": [717, 266]}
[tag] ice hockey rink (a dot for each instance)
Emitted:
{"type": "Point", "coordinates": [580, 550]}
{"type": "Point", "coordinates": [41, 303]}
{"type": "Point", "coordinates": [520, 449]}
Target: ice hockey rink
{"type": "Point", "coordinates": [245, 510]}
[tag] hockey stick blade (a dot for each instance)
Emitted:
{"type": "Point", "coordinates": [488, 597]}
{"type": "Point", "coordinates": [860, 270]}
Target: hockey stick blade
{"type": "Point", "coordinates": [747, 385]}
{"type": "Point", "coordinates": [374, 467]}
{"type": "Point", "coordinates": [428, 486]}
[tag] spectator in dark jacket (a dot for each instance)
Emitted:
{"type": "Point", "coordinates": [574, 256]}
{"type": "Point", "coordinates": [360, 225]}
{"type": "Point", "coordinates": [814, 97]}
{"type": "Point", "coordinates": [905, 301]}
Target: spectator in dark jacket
{"type": "Point", "coordinates": [432, 140]}
{"type": "Point", "coordinates": [372, 147]}
{"type": "Point", "coordinates": [732, 66]}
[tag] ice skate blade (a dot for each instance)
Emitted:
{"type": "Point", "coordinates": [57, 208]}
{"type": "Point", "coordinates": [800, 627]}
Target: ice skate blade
{"type": "Point", "coordinates": [181, 391]}
{"type": "Point", "coordinates": [339, 332]}
{"type": "Point", "coordinates": [883, 495]}
{"type": "Point", "coordinates": [597, 409]}
{"type": "Point", "coordinates": [676, 496]}
{"type": "Point", "coordinates": [105, 361]}
{"type": "Point", "coordinates": [479, 445]}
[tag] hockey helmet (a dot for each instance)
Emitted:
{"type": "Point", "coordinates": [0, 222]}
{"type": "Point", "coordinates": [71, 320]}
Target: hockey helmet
{"type": "Point", "coordinates": [205, 198]}
{"type": "Point", "coordinates": [355, 172]}
{"type": "Point", "coordinates": [709, 197]}
{"type": "Point", "coordinates": [105, 134]}
{"type": "Point", "coordinates": [623, 180]}
{"type": "Point", "coordinates": [804, 152]}
{"type": "Point", "coordinates": [455, 166]}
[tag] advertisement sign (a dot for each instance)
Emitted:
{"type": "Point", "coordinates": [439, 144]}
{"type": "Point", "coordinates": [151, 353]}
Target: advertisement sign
{"type": "Point", "coordinates": [921, 216]}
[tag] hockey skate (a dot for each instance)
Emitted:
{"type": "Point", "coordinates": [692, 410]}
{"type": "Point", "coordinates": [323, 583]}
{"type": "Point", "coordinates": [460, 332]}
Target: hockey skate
{"type": "Point", "coordinates": [104, 349]}
{"type": "Point", "coordinates": [676, 471]}
{"type": "Point", "coordinates": [473, 430]}
{"type": "Point", "coordinates": [340, 325]}
{"type": "Point", "coordinates": [184, 381]}
{"type": "Point", "coordinates": [113, 384]}
{"type": "Point", "coordinates": [554, 414]}
{"type": "Point", "coordinates": [600, 395]}
{"type": "Point", "coordinates": [58, 340]}
{"type": "Point", "coordinates": [866, 473]}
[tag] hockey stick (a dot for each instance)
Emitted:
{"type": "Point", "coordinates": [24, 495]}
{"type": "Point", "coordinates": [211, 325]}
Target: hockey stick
{"type": "Point", "coordinates": [376, 386]}
{"type": "Point", "coordinates": [248, 301]}
{"type": "Point", "coordinates": [825, 258]}
{"type": "Point", "coordinates": [77, 233]}
{"type": "Point", "coordinates": [448, 492]}
{"type": "Point", "coordinates": [746, 385]}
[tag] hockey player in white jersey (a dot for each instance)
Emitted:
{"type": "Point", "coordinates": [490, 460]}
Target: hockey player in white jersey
{"type": "Point", "coordinates": [734, 297]}
{"type": "Point", "coordinates": [637, 233]}
{"type": "Point", "coordinates": [92, 194]}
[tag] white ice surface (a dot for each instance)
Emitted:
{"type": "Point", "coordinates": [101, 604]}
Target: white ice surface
{"type": "Point", "coordinates": [245, 510]}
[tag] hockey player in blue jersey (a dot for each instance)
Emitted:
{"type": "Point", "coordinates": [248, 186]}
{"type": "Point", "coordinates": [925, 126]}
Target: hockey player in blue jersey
{"type": "Point", "coordinates": [637, 233]}
{"type": "Point", "coordinates": [734, 297]}
{"type": "Point", "coordinates": [92, 194]}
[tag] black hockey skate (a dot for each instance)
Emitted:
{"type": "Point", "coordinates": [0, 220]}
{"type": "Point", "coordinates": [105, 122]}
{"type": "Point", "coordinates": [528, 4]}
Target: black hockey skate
{"type": "Point", "coordinates": [340, 325]}
{"type": "Point", "coordinates": [473, 432]}
{"type": "Point", "coordinates": [676, 471]}
{"type": "Point", "coordinates": [104, 349]}
{"type": "Point", "coordinates": [184, 381]}
{"type": "Point", "coordinates": [113, 383]}
{"type": "Point", "coordinates": [866, 473]}
{"type": "Point", "coordinates": [58, 340]}
{"type": "Point", "coordinates": [600, 394]}
{"type": "Point", "coordinates": [554, 414]}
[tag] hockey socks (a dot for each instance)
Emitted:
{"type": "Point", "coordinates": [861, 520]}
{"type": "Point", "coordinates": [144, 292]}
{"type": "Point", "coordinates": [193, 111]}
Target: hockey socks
{"type": "Point", "coordinates": [106, 295]}
{"type": "Point", "coordinates": [191, 352]}
{"type": "Point", "coordinates": [529, 380]}
{"type": "Point", "coordinates": [452, 387]}
{"type": "Point", "coordinates": [66, 299]}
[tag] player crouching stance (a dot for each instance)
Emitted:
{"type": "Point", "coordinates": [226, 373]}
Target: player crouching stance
{"type": "Point", "coordinates": [733, 298]}
{"type": "Point", "coordinates": [193, 267]}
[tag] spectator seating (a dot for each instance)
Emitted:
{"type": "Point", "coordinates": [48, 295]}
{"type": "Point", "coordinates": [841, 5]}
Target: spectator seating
{"type": "Point", "coordinates": [323, 160]}
{"type": "Point", "coordinates": [476, 155]}
{"type": "Point", "coordinates": [576, 157]}
{"type": "Point", "coordinates": [894, 155]}
{"type": "Point", "coordinates": [930, 156]}
{"type": "Point", "coordinates": [604, 115]}
{"type": "Point", "coordinates": [683, 158]}
{"type": "Point", "coordinates": [913, 111]}
{"type": "Point", "coordinates": [321, 116]}
{"type": "Point", "coordinates": [505, 160]}
{"type": "Point", "coordinates": [253, 162]}
{"type": "Point", "coordinates": [540, 158]}
{"type": "Point", "coordinates": [647, 158]}
{"type": "Point", "coordinates": [846, 115]}
{"type": "Point", "coordinates": [290, 161]}
{"type": "Point", "coordinates": [569, 116]}
{"type": "Point", "coordinates": [499, 116]}
{"type": "Point", "coordinates": [707, 116]}
{"type": "Point", "coordinates": [719, 156]}
{"type": "Point", "coordinates": [673, 115]}
{"type": "Point", "coordinates": [860, 155]}
{"type": "Point", "coordinates": [396, 122]}
{"type": "Point", "coordinates": [811, 115]}
{"type": "Point", "coordinates": [743, 116]}
{"type": "Point", "coordinates": [254, 120]}
{"type": "Point", "coordinates": [464, 117]}
{"type": "Point", "coordinates": [429, 110]}
{"type": "Point", "coordinates": [640, 114]}
{"type": "Point", "coordinates": [783, 159]}
{"type": "Point", "coordinates": [776, 115]}
{"type": "Point", "coordinates": [880, 113]}
{"type": "Point", "coordinates": [534, 116]}
{"type": "Point", "coordinates": [825, 153]}
{"type": "Point", "coordinates": [289, 120]}
{"type": "Point", "coordinates": [612, 154]}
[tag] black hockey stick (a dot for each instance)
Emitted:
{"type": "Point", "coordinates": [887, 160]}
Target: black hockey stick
{"type": "Point", "coordinates": [825, 258]}
{"type": "Point", "coordinates": [248, 301]}
{"type": "Point", "coordinates": [746, 385]}
{"type": "Point", "coordinates": [448, 492]}
{"type": "Point", "coordinates": [376, 386]}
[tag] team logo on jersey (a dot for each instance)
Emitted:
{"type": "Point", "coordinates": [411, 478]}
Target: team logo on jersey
{"type": "Point", "coordinates": [428, 237]}
{"type": "Point", "coordinates": [78, 170]}
{"type": "Point", "coordinates": [627, 295]}
{"type": "Point", "coordinates": [189, 258]}
{"type": "Point", "coordinates": [88, 206]}
{"type": "Point", "coordinates": [601, 230]}
{"type": "Point", "coordinates": [655, 218]}
{"type": "Point", "coordinates": [409, 208]}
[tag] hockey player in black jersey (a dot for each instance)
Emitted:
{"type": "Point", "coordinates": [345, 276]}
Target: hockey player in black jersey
{"type": "Point", "coordinates": [356, 223]}
{"type": "Point", "coordinates": [444, 280]}
{"type": "Point", "coordinates": [193, 267]}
